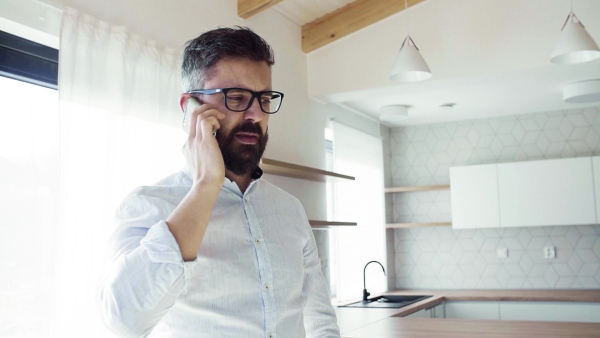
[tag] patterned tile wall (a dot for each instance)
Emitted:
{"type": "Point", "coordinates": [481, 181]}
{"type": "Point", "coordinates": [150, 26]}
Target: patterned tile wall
{"type": "Point", "coordinates": [440, 257]}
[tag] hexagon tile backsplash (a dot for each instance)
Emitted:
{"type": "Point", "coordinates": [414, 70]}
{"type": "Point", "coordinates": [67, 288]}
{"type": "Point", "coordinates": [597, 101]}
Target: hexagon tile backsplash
{"type": "Point", "coordinates": [443, 258]}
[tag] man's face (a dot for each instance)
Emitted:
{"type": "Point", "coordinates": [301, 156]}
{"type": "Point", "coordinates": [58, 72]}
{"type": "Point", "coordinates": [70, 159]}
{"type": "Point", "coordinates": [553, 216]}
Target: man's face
{"type": "Point", "coordinates": [243, 135]}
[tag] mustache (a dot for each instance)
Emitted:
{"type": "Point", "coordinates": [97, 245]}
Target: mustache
{"type": "Point", "coordinates": [248, 127]}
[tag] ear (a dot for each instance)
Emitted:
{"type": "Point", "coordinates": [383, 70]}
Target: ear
{"type": "Point", "coordinates": [183, 101]}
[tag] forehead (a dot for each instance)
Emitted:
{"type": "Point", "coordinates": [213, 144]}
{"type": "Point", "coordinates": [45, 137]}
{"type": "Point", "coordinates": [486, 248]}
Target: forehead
{"type": "Point", "coordinates": [239, 72]}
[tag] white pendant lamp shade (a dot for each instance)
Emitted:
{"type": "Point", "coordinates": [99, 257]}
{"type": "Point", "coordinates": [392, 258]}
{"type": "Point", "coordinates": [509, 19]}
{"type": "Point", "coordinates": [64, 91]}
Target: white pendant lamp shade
{"type": "Point", "coordinates": [410, 65]}
{"type": "Point", "coordinates": [574, 44]}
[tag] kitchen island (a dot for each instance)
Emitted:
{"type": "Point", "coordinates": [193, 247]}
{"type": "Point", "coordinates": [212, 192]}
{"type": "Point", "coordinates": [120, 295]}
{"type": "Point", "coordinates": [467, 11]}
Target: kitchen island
{"type": "Point", "coordinates": [387, 322]}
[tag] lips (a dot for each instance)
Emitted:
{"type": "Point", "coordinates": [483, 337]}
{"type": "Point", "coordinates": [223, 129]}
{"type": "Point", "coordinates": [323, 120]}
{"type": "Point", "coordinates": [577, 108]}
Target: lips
{"type": "Point", "coordinates": [247, 138]}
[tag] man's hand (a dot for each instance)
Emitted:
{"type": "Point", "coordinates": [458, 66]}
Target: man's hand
{"type": "Point", "coordinates": [189, 220]}
{"type": "Point", "coordinates": [201, 151]}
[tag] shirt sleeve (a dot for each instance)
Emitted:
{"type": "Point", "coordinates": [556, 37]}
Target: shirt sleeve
{"type": "Point", "coordinates": [319, 317]}
{"type": "Point", "coordinates": [145, 273]}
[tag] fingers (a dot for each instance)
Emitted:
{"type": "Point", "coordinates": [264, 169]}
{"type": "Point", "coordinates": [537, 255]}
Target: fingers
{"type": "Point", "coordinates": [204, 120]}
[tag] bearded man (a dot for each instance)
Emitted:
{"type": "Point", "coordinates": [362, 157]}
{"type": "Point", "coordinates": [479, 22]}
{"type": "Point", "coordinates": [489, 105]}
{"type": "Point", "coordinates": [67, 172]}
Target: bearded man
{"type": "Point", "coordinates": [214, 250]}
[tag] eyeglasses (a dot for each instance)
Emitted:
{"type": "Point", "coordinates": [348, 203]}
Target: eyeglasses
{"type": "Point", "coordinates": [240, 99]}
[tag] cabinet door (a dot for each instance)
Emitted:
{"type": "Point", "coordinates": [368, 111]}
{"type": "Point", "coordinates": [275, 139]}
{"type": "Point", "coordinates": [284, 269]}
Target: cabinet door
{"type": "Point", "coordinates": [548, 192]}
{"type": "Point", "coordinates": [472, 310]}
{"type": "Point", "coordinates": [551, 311]}
{"type": "Point", "coordinates": [474, 196]}
{"type": "Point", "coordinates": [596, 165]}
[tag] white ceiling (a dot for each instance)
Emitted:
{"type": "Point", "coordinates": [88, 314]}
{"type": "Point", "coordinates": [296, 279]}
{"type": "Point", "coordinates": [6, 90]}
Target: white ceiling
{"type": "Point", "coordinates": [512, 81]}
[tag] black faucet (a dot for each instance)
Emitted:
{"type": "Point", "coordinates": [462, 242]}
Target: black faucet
{"type": "Point", "coordinates": [365, 293]}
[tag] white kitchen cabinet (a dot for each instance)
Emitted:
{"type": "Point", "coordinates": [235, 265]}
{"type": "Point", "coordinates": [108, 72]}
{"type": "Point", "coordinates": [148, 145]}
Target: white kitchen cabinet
{"type": "Point", "coordinates": [472, 310]}
{"type": "Point", "coordinates": [524, 310]}
{"type": "Point", "coordinates": [596, 165]}
{"type": "Point", "coordinates": [551, 311]}
{"type": "Point", "coordinates": [474, 196]}
{"type": "Point", "coordinates": [432, 312]}
{"type": "Point", "coordinates": [547, 192]}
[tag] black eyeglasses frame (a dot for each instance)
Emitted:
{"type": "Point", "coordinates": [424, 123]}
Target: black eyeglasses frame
{"type": "Point", "coordinates": [254, 95]}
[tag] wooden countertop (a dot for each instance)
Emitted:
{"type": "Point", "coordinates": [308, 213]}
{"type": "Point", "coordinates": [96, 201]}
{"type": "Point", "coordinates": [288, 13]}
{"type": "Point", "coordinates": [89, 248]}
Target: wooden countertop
{"type": "Point", "coordinates": [467, 328]}
{"type": "Point", "coordinates": [372, 323]}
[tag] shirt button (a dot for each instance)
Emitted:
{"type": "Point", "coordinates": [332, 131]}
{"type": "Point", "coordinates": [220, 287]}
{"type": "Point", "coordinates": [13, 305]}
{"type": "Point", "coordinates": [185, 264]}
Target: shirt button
{"type": "Point", "coordinates": [257, 241]}
{"type": "Point", "coordinates": [267, 286]}
{"type": "Point", "coordinates": [270, 335]}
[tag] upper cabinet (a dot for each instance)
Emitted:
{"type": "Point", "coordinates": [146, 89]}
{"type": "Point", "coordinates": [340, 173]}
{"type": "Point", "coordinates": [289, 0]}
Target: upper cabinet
{"type": "Point", "coordinates": [474, 196]}
{"type": "Point", "coordinates": [549, 192]}
{"type": "Point", "coordinates": [533, 193]}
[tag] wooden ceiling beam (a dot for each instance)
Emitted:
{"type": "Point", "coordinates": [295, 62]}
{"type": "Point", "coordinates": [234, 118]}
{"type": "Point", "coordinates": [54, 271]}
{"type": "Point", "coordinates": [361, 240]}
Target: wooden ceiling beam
{"type": "Point", "coordinates": [248, 8]}
{"type": "Point", "coordinates": [347, 20]}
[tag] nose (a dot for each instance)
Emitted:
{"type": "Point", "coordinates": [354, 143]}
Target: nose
{"type": "Point", "coordinates": [254, 112]}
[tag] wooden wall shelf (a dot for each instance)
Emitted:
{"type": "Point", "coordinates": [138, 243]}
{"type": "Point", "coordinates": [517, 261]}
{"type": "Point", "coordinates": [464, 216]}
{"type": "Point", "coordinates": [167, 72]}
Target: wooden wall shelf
{"type": "Point", "coordinates": [419, 188]}
{"type": "Point", "coordinates": [315, 224]}
{"type": "Point", "coordinates": [416, 225]}
{"type": "Point", "coordinates": [280, 168]}
{"type": "Point", "coordinates": [415, 189]}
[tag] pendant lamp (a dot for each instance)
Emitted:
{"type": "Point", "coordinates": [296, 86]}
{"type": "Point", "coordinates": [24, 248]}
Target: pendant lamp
{"type": "Point", "coordinates": [409, 65]}
{"type": "Point", "coordinates": [574, 44]}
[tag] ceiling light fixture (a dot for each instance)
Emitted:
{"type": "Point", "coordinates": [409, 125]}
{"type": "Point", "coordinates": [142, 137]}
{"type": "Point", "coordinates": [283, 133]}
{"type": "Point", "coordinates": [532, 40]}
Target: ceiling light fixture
{"type": "Point", "coordinates": [447, 106]}
{"type": "Point", "coordinates": [582, 92]}
{"type": "Point", "coordinates": [393, 113]}
{"type": "Point", "coordinates": [409, 65]}
{"type": "Point", "coordinates": [574, 44]}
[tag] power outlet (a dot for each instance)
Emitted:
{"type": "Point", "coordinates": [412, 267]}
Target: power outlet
{"type": "Point", "coordinates": [549, 252]}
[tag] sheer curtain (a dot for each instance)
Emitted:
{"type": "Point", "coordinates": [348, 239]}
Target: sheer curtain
{"type": "Point", "coordinates": [360, 155]}
{"type": "Point", "coordinates": [117, 127]}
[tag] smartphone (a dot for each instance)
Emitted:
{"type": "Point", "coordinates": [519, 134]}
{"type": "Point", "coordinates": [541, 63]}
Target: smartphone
{"type": "Point", "coordinates": [191, 104]}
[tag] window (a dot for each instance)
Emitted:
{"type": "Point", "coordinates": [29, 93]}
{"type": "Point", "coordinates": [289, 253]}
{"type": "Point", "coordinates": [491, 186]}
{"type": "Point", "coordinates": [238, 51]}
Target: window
{"type": "Point", "coordinates": [360, 155]}
{"type": "Point", "coordinates": [63, 173]}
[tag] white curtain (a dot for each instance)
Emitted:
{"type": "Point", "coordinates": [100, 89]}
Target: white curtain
{"type": "Point", "coordinates": [360, 155]}
{"type": "Point", "coordinates": [67, 169]}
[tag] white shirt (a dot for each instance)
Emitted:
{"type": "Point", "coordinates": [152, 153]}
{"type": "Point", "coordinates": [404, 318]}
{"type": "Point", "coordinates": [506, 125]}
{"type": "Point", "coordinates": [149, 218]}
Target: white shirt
{"type": "Point", "coordinates": [257, 273]}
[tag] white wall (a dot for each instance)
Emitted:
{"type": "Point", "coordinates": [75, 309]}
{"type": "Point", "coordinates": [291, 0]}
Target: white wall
{"type": "Point", "coordinates": [444, 258]}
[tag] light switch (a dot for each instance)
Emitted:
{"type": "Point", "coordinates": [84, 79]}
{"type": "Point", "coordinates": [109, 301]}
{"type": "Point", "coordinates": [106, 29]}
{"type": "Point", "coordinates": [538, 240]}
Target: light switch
{"type": "Point", "coordinates": [502, 252]}
{"type": "Point", "coordinates": [549, 252]}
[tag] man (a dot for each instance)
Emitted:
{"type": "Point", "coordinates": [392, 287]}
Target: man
{"type": "Point", "coordinates": [213, 250]}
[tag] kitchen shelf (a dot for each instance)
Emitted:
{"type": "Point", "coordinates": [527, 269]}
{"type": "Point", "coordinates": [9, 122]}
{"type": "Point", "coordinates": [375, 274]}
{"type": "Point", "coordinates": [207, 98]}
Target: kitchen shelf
{"type": "Point", "coordinates": [418, 188]}
{"type": "Point", "coordinates": [280, 168]}
{"type": "Point", "coordinates": [416, 225]}
{"type": "Point", "coordinates": [315, 224]}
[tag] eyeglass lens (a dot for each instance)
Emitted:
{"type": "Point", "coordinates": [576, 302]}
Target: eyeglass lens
{"type": "Point", "coordinates": [240, 100]}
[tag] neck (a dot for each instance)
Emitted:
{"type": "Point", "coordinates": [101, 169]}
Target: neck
{"type": "Point", "coordinates": [242, 181]}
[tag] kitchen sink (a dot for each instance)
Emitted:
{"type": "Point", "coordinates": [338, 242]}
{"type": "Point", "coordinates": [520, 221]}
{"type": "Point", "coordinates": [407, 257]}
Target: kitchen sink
{"type": "Point", "coordinates": [387, 301]}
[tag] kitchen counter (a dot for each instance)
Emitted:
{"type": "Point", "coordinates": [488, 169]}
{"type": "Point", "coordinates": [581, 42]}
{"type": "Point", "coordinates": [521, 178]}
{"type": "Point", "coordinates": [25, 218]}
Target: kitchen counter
{"type": "Point", "coordinates": [387, 322]}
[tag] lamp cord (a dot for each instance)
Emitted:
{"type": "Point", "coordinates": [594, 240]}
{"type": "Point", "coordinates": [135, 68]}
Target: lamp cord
{"type": "Point", "coordinates": [407, 18]}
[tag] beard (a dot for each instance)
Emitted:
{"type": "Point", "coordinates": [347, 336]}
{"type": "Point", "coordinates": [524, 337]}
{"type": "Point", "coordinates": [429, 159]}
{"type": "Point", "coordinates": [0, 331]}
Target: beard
{"type": "Point", "coordinates": [240, 158]}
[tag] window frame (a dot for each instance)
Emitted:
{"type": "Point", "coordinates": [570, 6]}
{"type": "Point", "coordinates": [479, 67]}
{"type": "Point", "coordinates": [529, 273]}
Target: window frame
{"type": "Point", "coordinates": [28, 61]}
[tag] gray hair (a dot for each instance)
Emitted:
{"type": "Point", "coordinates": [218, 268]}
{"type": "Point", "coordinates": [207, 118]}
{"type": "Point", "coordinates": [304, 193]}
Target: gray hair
{"type": "Point", "coordinates": [203, 52]}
